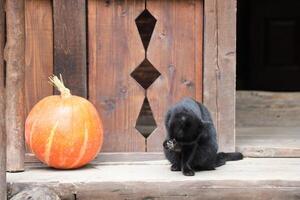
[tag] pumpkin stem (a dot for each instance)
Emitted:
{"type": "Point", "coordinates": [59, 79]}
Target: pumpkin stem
{"type": "Point", "coordinates": [59, 85]}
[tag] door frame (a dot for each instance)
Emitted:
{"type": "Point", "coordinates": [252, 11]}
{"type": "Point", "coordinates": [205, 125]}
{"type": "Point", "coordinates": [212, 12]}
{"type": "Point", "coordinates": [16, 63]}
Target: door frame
{"type": "Point", "coordinates": [219, 68]}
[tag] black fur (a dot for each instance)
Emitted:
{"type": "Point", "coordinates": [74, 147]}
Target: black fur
{"type": "Point", "coordinates": [191, 142]}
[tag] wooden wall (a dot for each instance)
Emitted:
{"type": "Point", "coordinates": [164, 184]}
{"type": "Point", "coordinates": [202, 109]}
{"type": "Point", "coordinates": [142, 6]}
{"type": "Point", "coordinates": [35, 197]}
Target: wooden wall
{"type": "Point", "coordinates": [38, 50]}
{"type": "Point", "coordinates": [56, 42]}
{"type": "Point", "coordinates": [115, 50]}
{"type": "Point", "coordinates": [3, 188]}
{"type": "Point", "coordinates": [51, 46]}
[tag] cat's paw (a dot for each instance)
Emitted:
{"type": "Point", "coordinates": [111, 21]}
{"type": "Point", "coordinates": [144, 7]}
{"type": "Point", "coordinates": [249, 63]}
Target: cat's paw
{"type": "Point", "coordinates": [188, 172]}
{"type": "Point", "coordinates": [175, 167]}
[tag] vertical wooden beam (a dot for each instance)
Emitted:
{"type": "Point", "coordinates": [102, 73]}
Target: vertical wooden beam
{"type": "Point", "coordinates": [70, 44]}
{"type": "Point", "coordinates": [2, 103]}
{"type": "Point", "coordinates": [15, 58]}
{"type": "Point", "coordinates": [219, 68]}
{"type": "Point", "coordinates": [38, 51]}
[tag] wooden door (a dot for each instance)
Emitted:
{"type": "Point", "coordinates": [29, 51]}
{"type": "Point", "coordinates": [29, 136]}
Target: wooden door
{"type": "Point", "coordinates": [144, 55]}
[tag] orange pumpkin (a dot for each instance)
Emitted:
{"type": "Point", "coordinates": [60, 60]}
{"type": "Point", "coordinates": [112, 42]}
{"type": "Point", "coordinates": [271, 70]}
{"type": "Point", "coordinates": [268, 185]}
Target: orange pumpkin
{"type": "Point", "coordinates": [64, 131]}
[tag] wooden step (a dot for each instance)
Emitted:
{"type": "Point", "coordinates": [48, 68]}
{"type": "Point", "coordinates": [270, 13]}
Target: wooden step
{"type": "Point", "coordinates": [268, 141]}
{"type": "Point", "coordinates": [251, 178]}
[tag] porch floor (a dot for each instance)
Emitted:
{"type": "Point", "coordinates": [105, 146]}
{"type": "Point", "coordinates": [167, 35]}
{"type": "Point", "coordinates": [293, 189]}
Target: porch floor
{"type": "Point", "coordinates": [251, 178]}
{"type": "Point", "coordinates": [268, 141]}
{"type": "Point", "coordinates": [268, 123]}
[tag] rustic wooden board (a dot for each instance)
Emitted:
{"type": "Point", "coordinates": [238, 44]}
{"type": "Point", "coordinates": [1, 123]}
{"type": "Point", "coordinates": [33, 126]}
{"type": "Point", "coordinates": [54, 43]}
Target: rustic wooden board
{"type": "Point", "coordinates": [115, 50]}
{"type": "Point", "coordinates": [15, 79]}
{"type": "Point", "coordinates": [146, 190]}
{"type": "Point", "coordinates": [70, 44]}
{"type": "Point", "coordinates": [268, 123]}
{"type": "Point", "coordinates": [247, 179]}
{"type": "Point", "coordinates": [268, 152]}
{"type": "Point", "coordinates": [113, 158]}
{"type": "Point", "coordinates": [36, 193]}
{"type": "Point", "coordinates": [260, 109]}
{"type": "Point", "coordinates": [219, 68]}
{"type": "Point", "coordinates": [199, 16]}
{"type": "Point", "coordinates": [268, 141]}
{"type": "Point", "coordinates": [38, 51]}
{"type": "Point", "coordinates": [2, 106]}
{"type": "Point", "coordinates": [176, 51]}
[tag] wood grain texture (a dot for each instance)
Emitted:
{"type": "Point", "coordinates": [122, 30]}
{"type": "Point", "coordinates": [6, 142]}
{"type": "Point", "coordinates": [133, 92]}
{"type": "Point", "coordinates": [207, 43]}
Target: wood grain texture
{"type": "Point", "coordinates": [146, 190]}
{"type": "Point", "coordinates": [260, 109]}
{"type": "Point", "coordinates": [111, 157]}
{"type": "Point", "coordinates": [115, 50]}
{"type": "Point", "coordinates": [15, 79]}
{"type": "Point", "coordinates": [175, 50]}
{"type": "Point", "coordinates": [268, 141]}
{"type": "Point", "coordinates": [174, 192]}
{"type": "Point", "coordinates": [199, 16]}
{"type": "Point", "coordinates": [268, 123]}
{"type": "Point", "coordinates": [70, 44]}
{"type": "Point", "coordinates": [2, 106]}
{"type": "Point", "coordinates": [263, 178]}
{"type": "Point", "coordinates": [219, 68]}
{"type": "Point", "coordinates": [36, 193]}
{"type": "Point", "coordinates": [38, 51]}
{"type": "Point", "coordinates": [268, 152]}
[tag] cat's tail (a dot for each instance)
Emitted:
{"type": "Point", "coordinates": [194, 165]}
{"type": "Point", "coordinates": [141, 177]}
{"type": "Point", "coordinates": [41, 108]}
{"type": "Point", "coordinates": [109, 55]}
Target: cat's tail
{"type": "Point", "coordinates": [223, 157]}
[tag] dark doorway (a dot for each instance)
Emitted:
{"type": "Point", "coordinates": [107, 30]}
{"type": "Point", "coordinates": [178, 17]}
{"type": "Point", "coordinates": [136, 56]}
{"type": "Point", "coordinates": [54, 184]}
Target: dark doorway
{"type": "Point", "coordinates": [268, 45]}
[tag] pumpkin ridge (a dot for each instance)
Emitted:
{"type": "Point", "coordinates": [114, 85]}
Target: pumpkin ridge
{"type": "Point", "coordinates": [32, 132]}
{"type": "Point", "coordinates": [49, 142]}
{"type": "Point", "coordinates": [33, 126]}
{"type": "Point", "coordinates": [83, 108]}
{"type": "Point", "coordinates": [83, 148]}
{"type": "Point", "coordinates": [94, 114]}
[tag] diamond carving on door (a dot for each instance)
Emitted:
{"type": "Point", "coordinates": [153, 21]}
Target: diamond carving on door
{"type": "Point", "coordinates": [145, 74]}
{"type": "Point", "coordinates": [144, 55]}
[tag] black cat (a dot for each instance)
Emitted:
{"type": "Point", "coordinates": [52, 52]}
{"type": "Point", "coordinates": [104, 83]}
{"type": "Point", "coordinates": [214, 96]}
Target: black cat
{"type": "Point", "coordinates": [191, 143]}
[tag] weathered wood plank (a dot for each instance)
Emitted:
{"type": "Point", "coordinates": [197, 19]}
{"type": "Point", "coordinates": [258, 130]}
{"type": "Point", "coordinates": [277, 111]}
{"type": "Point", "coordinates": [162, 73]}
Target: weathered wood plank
{"type": "Point", "coordinates": [125, 190]}
{"type": "Point", "coordinates": [268, 141]}
{"type": "Point", "coordinates": [267, 152]}
{"type": "Point", "coordinates": [252, 170]}
{"type": "Point", "coordinates": [264, 178]}
{"type": "Point", "coordinates": [175, 50]}
{"type": "Point", "coordinates": [36, 193]}
{"type": "Point", "coordinates": [118, 158]}
{"type": "Point", "coordinates": [38, 51]}
{"type": "Point", "coordinates": [175, 191]}
{"type": "Point", "coordinates": [70, 44]}
{"type": "Point", "coordinates": [260, 109]}
{"type": "Point", "coordinates": [268, 124]}
{"type": "Point", "coordinates": [199, 15]}
{"type": "Point", "coordinates": [15, 91]}
{"type": "Point", "coordinates": [2, 106]}
{"type": "Point", "coordinates": [219, 68]}
{"type": "Point", "coordinates": [115, 50]}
